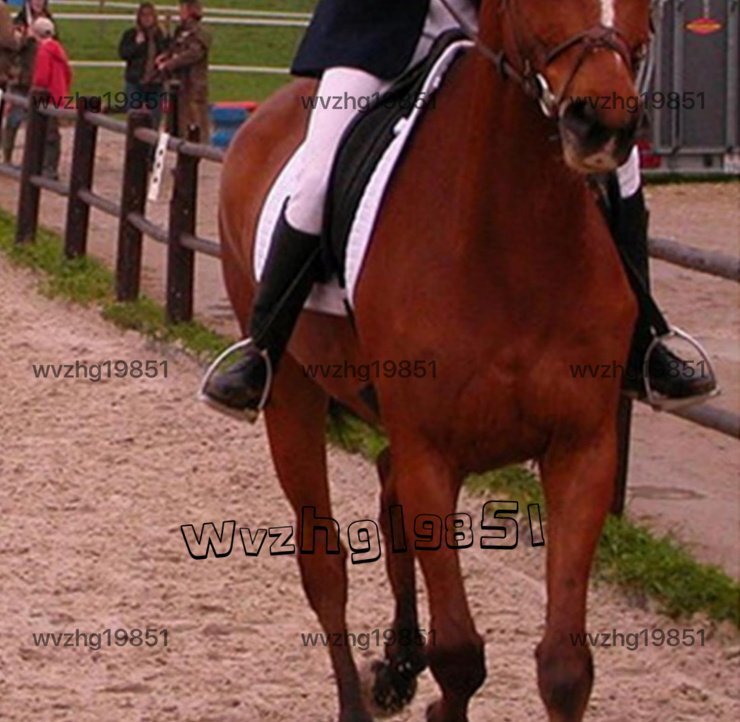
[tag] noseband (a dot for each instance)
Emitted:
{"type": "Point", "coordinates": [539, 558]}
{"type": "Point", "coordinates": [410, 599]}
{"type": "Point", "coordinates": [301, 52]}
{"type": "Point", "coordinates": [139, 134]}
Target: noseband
{"type": "Point", "coordinates": [531, 75]}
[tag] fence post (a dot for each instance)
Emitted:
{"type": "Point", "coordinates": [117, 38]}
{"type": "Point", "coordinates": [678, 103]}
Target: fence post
{"type": "Point", "coordinates": [624, 429]}
{"type": "Point", "coordinates": [133, 200]}
{"type": "Point", "coordinates": [33, 162]}
{"type": "Point", "coordinates": [173, 108]}
{"type": "Point", "coordinates": [181, 260]}
{"type": "Point", "coordinates": [81, 178]}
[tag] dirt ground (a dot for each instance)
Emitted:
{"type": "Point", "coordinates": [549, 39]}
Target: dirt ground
{"type": "Point", "coordinates": [683, 479]}
{"type": "Point", "coordinates": [97, 480]}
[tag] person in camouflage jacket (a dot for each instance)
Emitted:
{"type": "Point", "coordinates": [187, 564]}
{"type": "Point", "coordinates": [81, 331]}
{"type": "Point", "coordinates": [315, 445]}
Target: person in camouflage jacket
{"type": "Point", "coordinates": [20, 82]}
{"type": "Point", "coordinates": [187, 61]}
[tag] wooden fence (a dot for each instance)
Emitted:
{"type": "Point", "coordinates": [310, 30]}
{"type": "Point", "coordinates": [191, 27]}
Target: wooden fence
{"type": "Point", "coordinates": [180, 235]}
{"type": "Point", "coordinates": [129, 209]}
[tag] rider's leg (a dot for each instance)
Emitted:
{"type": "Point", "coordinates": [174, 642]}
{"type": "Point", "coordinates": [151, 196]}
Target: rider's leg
{"type": "Point", "coordinates": [669, 375]}
{"type": "Point", "coordinates": [293, 264]}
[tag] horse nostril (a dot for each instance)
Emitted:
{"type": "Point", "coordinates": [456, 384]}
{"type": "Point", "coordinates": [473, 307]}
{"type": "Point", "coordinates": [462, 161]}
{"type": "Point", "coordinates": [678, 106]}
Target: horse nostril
{"type": "Point", "coordinates": [580, 118]}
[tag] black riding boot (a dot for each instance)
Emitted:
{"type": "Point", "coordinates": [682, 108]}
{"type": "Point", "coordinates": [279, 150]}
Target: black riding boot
{"type": "Point", "coordinates": [670, 376]}
{"type": "Point", "coordinates": [293, 266]}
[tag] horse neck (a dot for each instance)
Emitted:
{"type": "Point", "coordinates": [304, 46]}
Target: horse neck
{"type": "Point", "coordinates": [512, 163]}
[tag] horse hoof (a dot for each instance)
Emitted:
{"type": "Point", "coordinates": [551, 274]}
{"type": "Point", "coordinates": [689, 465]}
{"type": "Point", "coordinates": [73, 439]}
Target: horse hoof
{"type": "Point", "coordinates": [385, 691]}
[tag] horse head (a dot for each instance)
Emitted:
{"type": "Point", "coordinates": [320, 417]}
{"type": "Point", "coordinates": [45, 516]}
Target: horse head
{"type": "Point", "coordinates": [580, 60]}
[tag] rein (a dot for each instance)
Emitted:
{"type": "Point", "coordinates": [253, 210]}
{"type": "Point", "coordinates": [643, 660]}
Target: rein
{"type": "Point", "coordinates": [531, 80]}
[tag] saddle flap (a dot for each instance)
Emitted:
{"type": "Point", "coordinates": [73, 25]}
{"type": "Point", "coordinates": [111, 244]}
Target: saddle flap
{"type": "Point", "coordinates": [367, 140]}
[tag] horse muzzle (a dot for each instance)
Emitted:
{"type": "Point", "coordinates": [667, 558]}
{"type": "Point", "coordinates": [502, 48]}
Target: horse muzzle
{"type": "Point", "coordinates": [592, 145]}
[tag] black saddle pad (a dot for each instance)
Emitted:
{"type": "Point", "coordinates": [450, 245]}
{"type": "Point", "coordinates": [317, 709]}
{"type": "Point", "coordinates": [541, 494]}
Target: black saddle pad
{"type": "Point", "coordinates": [362, 148]}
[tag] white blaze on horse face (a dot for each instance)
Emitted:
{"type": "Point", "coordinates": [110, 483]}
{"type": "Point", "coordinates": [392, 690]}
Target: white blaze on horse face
{"type": "Point", "coordinates": [608, 13]}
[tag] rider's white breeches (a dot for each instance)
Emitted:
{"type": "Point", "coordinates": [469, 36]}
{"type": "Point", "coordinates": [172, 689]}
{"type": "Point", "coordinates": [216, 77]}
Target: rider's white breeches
{"type": "Point", "coordinates": [354, 88]}
{"type": "Point", "coordinates": [342, 92]}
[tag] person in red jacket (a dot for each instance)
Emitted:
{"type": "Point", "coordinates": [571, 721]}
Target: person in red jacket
{"type": "Point", "coordinates": [53, 73]}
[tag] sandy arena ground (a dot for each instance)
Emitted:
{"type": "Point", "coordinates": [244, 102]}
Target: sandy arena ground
{"type": "Point", "coordinates": [98, 478]}
{"type": "Point", "coordinates": [683, 479]}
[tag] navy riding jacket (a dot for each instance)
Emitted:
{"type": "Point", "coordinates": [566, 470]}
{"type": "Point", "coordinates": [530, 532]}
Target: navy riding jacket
{"type": "Point", "coordinates": [377, 36]}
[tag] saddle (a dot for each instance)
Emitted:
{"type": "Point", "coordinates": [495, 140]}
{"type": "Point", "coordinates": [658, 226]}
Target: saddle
{"type": "Point", "coordinates": [363, 146]}
{"type": "Point", "coordinates": [370, 150]}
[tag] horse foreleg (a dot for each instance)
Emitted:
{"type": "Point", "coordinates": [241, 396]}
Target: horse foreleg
{"type": "Point", "coordinates": [392, 682]}
{"type": "Point", "coordinates": [296, 423]}
{"type": "Point", "coordinates": [428, 489]}
{"type": "Point", "coordinates": [578, 486]}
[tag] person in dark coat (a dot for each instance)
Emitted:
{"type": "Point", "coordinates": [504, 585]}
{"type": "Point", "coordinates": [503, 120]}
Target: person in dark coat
{"type": "Point", "coordinates": [9, 44]}
{"type": "Point", "coordinates": [31, 10]}
{"type": "Point", "coordinates": [140, 47]}
{"type": "Point", "coordinates": [20, 83]}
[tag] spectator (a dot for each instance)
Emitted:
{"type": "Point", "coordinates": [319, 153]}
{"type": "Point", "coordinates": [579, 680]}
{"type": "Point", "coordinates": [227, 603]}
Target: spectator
{"type": "Point", "coordinates": [51, 72]}
{"type": "Point", "coordinates": [9, 44]}
{"type": "Point", "coordinates": [20, 83]}
{"type": "Point", "coordinates": [31, 10]}
{"type": "Point", "coordinates": [187, 61]}
{"type": "Point", "coordinates": [140, 47]}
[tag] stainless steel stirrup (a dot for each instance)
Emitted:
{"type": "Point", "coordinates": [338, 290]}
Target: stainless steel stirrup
{"type": "Point", "coordinates": [250, 415]}
{"type": "Point", "coordinates": [662, 403]}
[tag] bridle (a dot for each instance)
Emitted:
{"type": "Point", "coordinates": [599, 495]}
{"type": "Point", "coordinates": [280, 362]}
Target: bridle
{"type": "Point", "coordinates": [531, 75]}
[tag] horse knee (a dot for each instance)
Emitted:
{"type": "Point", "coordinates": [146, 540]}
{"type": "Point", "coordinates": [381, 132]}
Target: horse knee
{"type": "Point", "coordinates": [460, 670]}
{"type": "Point", "coordinates": [565, 675]}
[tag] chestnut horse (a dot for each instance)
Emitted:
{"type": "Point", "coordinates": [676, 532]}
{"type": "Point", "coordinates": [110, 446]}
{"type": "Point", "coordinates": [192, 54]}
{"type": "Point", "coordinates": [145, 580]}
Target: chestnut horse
{"type": "Point", "coordinates": [492, 259]}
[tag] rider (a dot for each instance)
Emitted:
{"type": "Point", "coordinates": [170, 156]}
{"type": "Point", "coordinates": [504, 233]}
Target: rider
{"type": "Point", "coordinates": [357, 49]}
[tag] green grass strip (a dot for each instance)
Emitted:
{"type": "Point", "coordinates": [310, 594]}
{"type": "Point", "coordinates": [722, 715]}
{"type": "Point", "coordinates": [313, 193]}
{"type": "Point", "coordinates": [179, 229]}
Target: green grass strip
{"type": "Point", "coordinates": [633, 558]}
{"type": "Point", "coordinates": [629, 555]}
{"type": "Point", "coordinates": [87, 281]}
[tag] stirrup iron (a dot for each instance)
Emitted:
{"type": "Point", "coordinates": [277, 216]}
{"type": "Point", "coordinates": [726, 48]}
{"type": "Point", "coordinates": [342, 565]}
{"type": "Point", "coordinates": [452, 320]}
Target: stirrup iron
{"type": "Point", "coordinates": [663, 403]}
{"type": "Point", "coordinates": [250, 415]}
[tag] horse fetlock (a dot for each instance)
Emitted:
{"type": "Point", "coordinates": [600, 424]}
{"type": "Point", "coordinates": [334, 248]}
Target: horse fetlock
{"type": "Point", "coordinates": [565, 675]}
{"type": "Point", "coordinates": [440, 712]}
{"type": "Point", "coordinates": [355, 716]}
{"type": "Point", "coordinates": [460, 669]}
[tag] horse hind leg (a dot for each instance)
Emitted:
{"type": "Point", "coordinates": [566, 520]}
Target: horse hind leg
{"type": "Point", "coordinates": [391, 683]}
{"type": "Point", "coordinates": [428, 491]}
{"type": "Point", "coordinates": [296, 425]}
{"type": "Point", "coordinates": [578, 483]}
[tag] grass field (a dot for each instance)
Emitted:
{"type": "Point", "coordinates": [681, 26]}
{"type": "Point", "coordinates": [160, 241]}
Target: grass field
{"type": "Point", "coordinates": [232, 45]}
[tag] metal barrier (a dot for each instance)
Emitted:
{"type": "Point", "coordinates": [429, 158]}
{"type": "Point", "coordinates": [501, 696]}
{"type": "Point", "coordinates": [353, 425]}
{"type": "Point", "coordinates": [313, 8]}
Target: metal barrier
{"type": "Point", "coordinates": [694, 97]}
